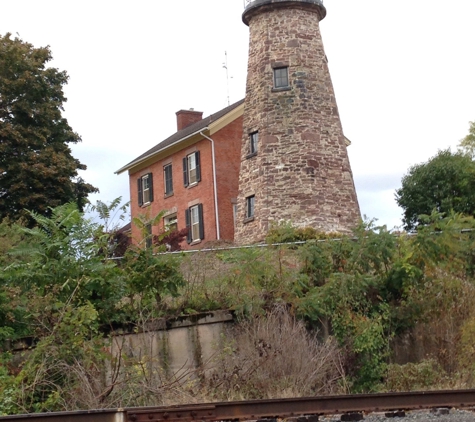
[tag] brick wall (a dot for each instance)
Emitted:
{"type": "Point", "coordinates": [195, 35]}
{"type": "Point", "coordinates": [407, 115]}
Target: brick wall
{"type": "Point", "coordinates": [228, 153]}
{"type": "Point", "coordinates": [186, 118]}
{"type": "Point", "coordinates": [227, 147]}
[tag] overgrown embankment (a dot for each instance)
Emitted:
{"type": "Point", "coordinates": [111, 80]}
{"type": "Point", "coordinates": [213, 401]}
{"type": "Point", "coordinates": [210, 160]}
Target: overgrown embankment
{"type": "Point", "coordinates": [361, 297]}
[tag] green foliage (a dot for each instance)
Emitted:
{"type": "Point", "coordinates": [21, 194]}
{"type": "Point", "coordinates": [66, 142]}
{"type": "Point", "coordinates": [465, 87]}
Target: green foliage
{"type": "Point", "coordinates": [260, 278]}
{"type": "Point", "coordinates": [445, 183]}
{"type": "Point", "coordinates": [145, 223]}
{"type": "Point", "coordinates": [364, 289]}
{"type": "Point", "coordinates": [59, 285]}
{"type": "Point", "coordinates": [149, 273]}
{"type": "Point", "coordinates": [150, 276]}
{"type": "Point", "coordinates": [51, 375]}
{"type": "Point", "coordinates": [8, 387]}
{"type": "Point", "coordinates": [10, 236]}
{"type": "Point", "coordinates": [37, 170]}
{"type": "Point", "coordinates": [354, 286]}
{"type": "Point", "coordinates": [441, 242]}
{"type": "Point", "coordinates": [285, 232]}
{"type": "Point", "coordinates": [466, 353]}
{"type": "Point", "coordinates": [467, 144]}
{"type": "Point", "coordinates": [111, 215]}
{"type": "Point", "coordinates": [64, 259]}
{"type": "Point", "coordinates": [421, 376]}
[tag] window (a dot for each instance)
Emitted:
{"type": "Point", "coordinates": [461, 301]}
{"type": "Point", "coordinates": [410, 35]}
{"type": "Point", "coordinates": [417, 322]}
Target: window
{"type": "Point", "coordinates": [171, 222]}
{"type": "Point", "coordinates": [191, 169]}
{"type": "Point", "coordinates": [194, 223]}
{"type": "Point", "coordinates": [281, 77]}
{"type": "Point", "coordinates": [168, 179]}
{"type": "Point", "coordinates": [145, 189]}
{"type": "Point", "coordinates": [250, 206]}
{"type": "Point", "coordinates": [253, 139]}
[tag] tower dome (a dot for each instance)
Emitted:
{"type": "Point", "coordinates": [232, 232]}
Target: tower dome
{"type": "Point", "coordinates": [294, 162]}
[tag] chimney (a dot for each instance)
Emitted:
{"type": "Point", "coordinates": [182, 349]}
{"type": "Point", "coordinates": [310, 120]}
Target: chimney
{"type": "Point", "coordinates": [185, 118]}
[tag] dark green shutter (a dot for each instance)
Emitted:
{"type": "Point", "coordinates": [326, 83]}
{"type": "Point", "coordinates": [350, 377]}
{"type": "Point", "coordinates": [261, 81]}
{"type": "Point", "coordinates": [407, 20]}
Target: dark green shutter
{"type": "Point", "coordinates": [185, 171]}
{"type": "Point", "coordinates": [188, 225]}
{"type": "Point", "coordinates": [200, 216]}
{"type": "Point", "coordinates": [198, 168]}
{"type": "Point", "coordinates": [139, 190]}
{"type": "Point", "coordinates": [150, 178]}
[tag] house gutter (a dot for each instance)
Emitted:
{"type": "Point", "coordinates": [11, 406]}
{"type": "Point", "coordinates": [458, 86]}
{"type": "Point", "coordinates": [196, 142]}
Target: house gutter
{"type": "Point", "coordinates": [218, 237]}
{"type": "Point", "coordinates": [134, 163]}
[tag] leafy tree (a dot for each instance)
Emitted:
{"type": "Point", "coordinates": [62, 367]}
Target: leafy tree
{"type": "Point", "coordinates": [66, 259]}
{"type": "Point", "coordinates": [37, 170]}
{"type": "Point", "coordinates": [445, 183]}
{"type": "Point", "coordinates": [63, 261]}
{"type": "Point", "coordinates": [467, 144]}
{"type": "Point", "coordinates": [345, 283]}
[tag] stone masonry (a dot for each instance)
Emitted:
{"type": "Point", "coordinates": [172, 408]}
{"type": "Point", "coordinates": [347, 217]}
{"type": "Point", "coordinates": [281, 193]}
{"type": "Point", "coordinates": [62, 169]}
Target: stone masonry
{"type": "Point", "coordinates": [301, 172]}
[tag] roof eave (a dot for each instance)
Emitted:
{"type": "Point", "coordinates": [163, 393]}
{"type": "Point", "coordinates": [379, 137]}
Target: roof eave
{"type": "Point", "coordinates": [137, 162]}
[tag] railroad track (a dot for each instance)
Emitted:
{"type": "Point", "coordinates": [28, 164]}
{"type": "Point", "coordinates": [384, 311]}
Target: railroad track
{"type": "Point", "coordinates": [267, 409]}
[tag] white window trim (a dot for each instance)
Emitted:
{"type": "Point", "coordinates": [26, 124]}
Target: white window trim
{"type": "Point", "coordinates": [194, 213]}
{"type": "Point", "coordinates": [145, 191]}
{"type": "Point", "coordinates": [170, 220]}
{"type": "Point", "coordinates": [190, 169]}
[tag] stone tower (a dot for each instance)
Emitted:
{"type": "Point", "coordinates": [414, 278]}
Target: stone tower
{"type": "Point", "coordinates": [294, 163]}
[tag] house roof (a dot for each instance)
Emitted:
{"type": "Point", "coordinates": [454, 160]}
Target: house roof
{"type": "Point", "coordinates": [183, 134]}
{"type": "Point", "coordinates": [126, 228]}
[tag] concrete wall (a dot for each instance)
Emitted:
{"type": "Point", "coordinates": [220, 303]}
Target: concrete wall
{"type": "Point", "coordinates": [180, 347]}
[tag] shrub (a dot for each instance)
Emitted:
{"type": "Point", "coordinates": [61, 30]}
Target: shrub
{"type": "Point", "coordinates": [424, 375]}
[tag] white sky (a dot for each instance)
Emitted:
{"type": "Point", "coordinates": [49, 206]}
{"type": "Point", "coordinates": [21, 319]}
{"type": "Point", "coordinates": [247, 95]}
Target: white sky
{"type": "Point", "coordinates": [403, 72]}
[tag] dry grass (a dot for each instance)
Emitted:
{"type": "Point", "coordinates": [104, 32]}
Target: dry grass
{"type": "Point", "coordinates": [275, 356]}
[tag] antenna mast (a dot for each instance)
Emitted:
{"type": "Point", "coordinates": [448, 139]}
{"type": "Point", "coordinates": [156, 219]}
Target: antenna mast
{"type": "Point", "coordinates": [225, 65]}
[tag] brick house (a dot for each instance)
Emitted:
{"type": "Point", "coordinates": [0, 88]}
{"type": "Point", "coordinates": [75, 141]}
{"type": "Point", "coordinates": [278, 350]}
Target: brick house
{"type": "Point", "coordinates": [280, 155]}
{"type": "Point", "coordinates": [192, 175]}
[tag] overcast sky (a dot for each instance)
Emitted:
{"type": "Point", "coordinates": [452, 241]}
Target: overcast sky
{"type": "Point", "coordinates": [403, 72]}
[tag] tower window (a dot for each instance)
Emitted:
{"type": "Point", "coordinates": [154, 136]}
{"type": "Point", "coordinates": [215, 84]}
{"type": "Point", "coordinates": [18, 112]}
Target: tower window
{"type": "Point", "coordinates": [250, 200]}
{"type": "Point", "coordinates": [281, 77]}
{"type": "Point", "coordinates": [253, 139]}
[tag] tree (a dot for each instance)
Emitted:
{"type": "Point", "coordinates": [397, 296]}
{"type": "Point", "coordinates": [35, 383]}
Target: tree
{"type": "Point", "coordinates": [467, 144]}
{"type": "Point", "coordinates": [37, 170]}
{"type": "Point", "coordinates": [445, 183]}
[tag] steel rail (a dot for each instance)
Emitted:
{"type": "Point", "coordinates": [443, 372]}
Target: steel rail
{"type": "Point", "coordinates": [265, 409]}
{"type": "Point", "coordinates": [269, 409]}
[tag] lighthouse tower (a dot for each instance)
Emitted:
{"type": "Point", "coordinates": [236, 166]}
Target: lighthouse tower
{"type": "Point", "coordinates": [294, 163]}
